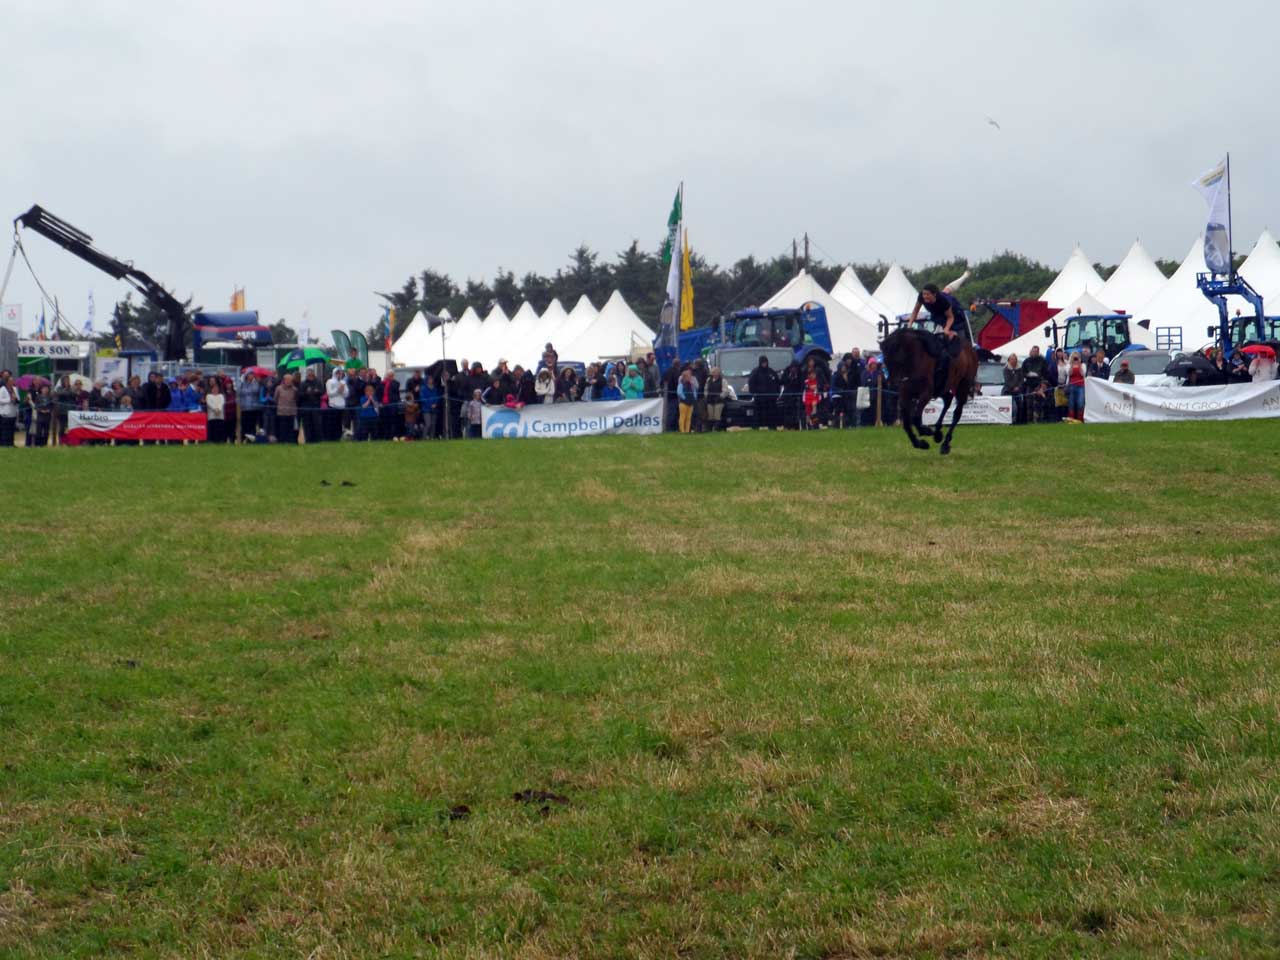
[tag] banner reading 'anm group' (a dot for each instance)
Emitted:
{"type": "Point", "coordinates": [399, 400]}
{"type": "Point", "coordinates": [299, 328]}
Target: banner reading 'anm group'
{"type": "Point", "coordinates": [550, 420]}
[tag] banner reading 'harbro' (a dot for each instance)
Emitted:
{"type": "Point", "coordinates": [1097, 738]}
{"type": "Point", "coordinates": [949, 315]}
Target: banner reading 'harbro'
{"type": "Point", "coordinates": [85, 425]}
{"type": "Point", "coordinates": [573, 419]}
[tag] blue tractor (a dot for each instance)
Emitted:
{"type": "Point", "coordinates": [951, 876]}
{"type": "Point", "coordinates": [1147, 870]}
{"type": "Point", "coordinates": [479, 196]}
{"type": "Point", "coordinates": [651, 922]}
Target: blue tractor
{"type": "Point", "coordinates": [1108, 332]}
{"type": "Point", "coordinates": [1232, 333]}
{"type": "Point", "coordinates": [801, 330]}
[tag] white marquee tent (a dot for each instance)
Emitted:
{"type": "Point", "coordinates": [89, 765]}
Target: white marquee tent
{"type": "Point", "coordinates": [614, 332]}
{"type": "Point", "coordinates": [521, 335]}
{"type": "Point", "coordinates": [444, 314]}
{"type": "Point", "coordinates": [850, 291]}
{"type": "Point", "coordinates": [1179, 312]}
{"type": "Point", "coordinates": [549, 324]}
{"type": "Point", "coordinates": [575, 325]}
{"type": "Point", "coordinates": [413, 344]}
{"type": "Point", "coordinates": [1134, 282]}
{"type": "Point", "coordinates": [848, 329]}
{"type": "Point", "coordinates": [1077, 276]}
{"type": "Point", "coordinates": [896, 292]}
{"type": "Point", "coordinates": [1262, 269]}
{"type": "Point", "coordinates": [466, 336]}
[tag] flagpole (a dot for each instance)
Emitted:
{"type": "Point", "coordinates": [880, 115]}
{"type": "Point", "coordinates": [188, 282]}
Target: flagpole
{"type": "Point", "coordinates": [1231, 240]}
{"type": "Point", "coordinates": [679, 304]}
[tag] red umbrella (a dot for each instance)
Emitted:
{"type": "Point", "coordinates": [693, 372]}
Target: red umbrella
{"type": "Point", "coordinates": [257, 371]}
{"type": "Point", "coordinates": [1260, 350]}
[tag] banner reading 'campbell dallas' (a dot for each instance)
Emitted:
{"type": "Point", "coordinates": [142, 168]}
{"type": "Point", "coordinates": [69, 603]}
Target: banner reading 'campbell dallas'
{"type": "Point", "coordinates": [1108, 402]}
{"type": "Point", "coordinates": [573, 419]}
{"type": "Point", "coordinates": [85, 425]}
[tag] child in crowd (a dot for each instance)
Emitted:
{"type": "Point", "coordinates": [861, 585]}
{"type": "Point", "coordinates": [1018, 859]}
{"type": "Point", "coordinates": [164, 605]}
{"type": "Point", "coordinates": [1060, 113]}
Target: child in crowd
{"type": "Point", "coordinates": [412, 418]}
{"type": "Point", "coordinates": [367, 421]}
{"type": "Point", "coordinates": [811, 398]}
{"type": "Point", "coordinates": [475, 413]}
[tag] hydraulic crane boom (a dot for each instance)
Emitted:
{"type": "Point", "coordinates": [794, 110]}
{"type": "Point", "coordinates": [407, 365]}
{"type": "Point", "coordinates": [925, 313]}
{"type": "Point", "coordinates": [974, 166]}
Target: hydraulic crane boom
{"type": "Point", "coordinates": [81, 244]}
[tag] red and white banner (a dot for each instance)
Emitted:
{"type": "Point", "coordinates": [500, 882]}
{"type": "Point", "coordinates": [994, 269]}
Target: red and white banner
{"type": "Point", "coordinates": [85, 425]}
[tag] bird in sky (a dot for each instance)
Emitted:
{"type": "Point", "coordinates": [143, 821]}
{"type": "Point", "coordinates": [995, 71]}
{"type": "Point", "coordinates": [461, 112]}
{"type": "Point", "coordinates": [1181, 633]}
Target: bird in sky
{"type": "Point", "coordinates": [993, 123]}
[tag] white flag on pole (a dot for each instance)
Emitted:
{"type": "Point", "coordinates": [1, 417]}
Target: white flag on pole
{"type": "Point", "coordinates": [88, 324]}
{"type": "Point", "coordinates": [1215, 186]}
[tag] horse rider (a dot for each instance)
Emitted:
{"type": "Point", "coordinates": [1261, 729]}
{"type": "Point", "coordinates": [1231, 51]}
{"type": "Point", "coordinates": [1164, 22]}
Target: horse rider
{"type": "Point", "coordinates": [946, 312]}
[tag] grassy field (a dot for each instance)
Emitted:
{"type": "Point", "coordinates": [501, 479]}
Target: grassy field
{"type": "Point", "coordinates": [769, 695]}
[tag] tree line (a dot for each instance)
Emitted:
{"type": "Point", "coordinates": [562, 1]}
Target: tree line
{"type": "Point", "coordinates": [641, 278]}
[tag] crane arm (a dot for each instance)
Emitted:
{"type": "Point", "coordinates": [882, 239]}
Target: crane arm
{"type": "Point", "coordinates": [79, 243]}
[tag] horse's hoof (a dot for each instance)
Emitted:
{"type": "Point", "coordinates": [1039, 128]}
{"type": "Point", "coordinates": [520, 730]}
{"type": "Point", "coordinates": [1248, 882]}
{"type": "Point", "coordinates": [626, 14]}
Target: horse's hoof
{"type": "Point", "coordinates": [946, 448]}
{"type": "Point", "coordinates": [922, 445]}
{"type": "Point", "coordinates": [937, 437]}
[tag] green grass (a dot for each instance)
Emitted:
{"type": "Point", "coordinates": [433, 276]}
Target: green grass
{"type": "Point", "coordinates": [806, 695]}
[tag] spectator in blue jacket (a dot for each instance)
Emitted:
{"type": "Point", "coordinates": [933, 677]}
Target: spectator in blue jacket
{"type": "Point", "coordinates": [429, 401]}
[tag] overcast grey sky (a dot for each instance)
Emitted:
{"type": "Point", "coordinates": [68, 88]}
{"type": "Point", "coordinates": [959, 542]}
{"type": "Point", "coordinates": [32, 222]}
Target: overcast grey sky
{"type": "Point", "coordinates": [314, 152]}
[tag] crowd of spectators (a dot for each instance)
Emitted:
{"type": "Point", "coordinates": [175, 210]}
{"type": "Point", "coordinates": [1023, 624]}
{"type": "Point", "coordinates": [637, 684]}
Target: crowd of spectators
{"type": "Point", "coordinates": [260, 405]}
{"type": "Point", "coordinates": [1052, 389]}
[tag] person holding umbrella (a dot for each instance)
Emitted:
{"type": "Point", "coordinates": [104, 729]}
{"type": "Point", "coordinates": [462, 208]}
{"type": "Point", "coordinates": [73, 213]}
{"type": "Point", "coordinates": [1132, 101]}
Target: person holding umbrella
{"type": "Point", "coordinates": [1262, 368]}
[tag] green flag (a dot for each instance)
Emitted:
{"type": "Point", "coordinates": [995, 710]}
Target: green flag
{"type": "Point", "coordinates": [673, 231]}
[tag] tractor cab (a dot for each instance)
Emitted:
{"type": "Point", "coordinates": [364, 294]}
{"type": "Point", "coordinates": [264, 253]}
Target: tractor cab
{"type": "Point", "coordinates": [1249, 330]}
{"type": "Point", "coordinates": [802, 330]}
{"type": "Point", "coordinates": [1109, 333]}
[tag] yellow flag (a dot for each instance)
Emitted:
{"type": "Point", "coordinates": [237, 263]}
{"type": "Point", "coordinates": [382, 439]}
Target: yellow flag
{"type": "Point", "coordinates": [686, 289]}
{"type": "Point", "coordinates": [237, 299]}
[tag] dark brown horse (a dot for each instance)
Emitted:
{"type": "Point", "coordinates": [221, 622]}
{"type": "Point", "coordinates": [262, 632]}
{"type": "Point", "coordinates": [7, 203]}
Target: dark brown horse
{"type": "Point", "coordinates": [911, 370]}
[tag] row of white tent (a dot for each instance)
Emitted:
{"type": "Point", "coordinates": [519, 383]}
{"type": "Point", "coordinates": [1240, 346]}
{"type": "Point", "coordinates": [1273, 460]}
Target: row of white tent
{"type": "Point", "coordinates": [1178, 315]}
{"type": "Point", "coordinates": [583, 333]}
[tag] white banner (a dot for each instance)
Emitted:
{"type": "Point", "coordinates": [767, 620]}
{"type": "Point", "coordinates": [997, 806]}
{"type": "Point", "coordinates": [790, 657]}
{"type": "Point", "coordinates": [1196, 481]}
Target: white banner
{"type": "Point", "coordinates": [58, 349]}
{"type": "Point", "coordinates": [1108, 402]}
{"type": "Point", "coordinates": [111, 368]}
{"type": "Point", "coordinates": [11, 316]}
{"type": "Point", "coordinates": [573, 419]}
{"type": "Point", "coordinates": [977, 410]}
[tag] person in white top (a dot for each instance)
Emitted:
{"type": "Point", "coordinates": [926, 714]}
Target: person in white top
{"type": "Point", "coordinates": [215, 407]}
{"type": "Point", "coordinates": [1262, 369]}
{"type": "Point", "coordinates": [335, 389]}
{"type": "Point", "coordinates": [8, 409]}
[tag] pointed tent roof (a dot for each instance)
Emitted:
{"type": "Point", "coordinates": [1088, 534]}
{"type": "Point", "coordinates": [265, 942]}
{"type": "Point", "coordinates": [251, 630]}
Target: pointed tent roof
{"type": "Point", "coordinates": [1086, 304]}
{"type": "Point", "coordinates": [580, 317]}
{"type": "Point", "coordinates": [1179, 307]}
{"type": "Point", "coordinates": [1077, 276]}
{"type": "Point", "coordinates": [850, 291]}
{"type": "Point", "coordinates": [444, 314]}
{"type": "Point", "coordinates": [848, 329]}
{"type": "Point", "coordinates": [612, 334]}
{"type": "Point", "coordinates": [413, 343]}
{"type": "Point", "coordinates": [546, 330]}
{"type": "Point", "coordinates": [1135, 281]}
{"type": "Point", "coordinates": [465, 334]}
{"type": "Point", "coordinates": [521, 332]}
{"type": "Point", "coordinates": [1262, 268]}
{"type": "Point", "coordinates": [896, 292]}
